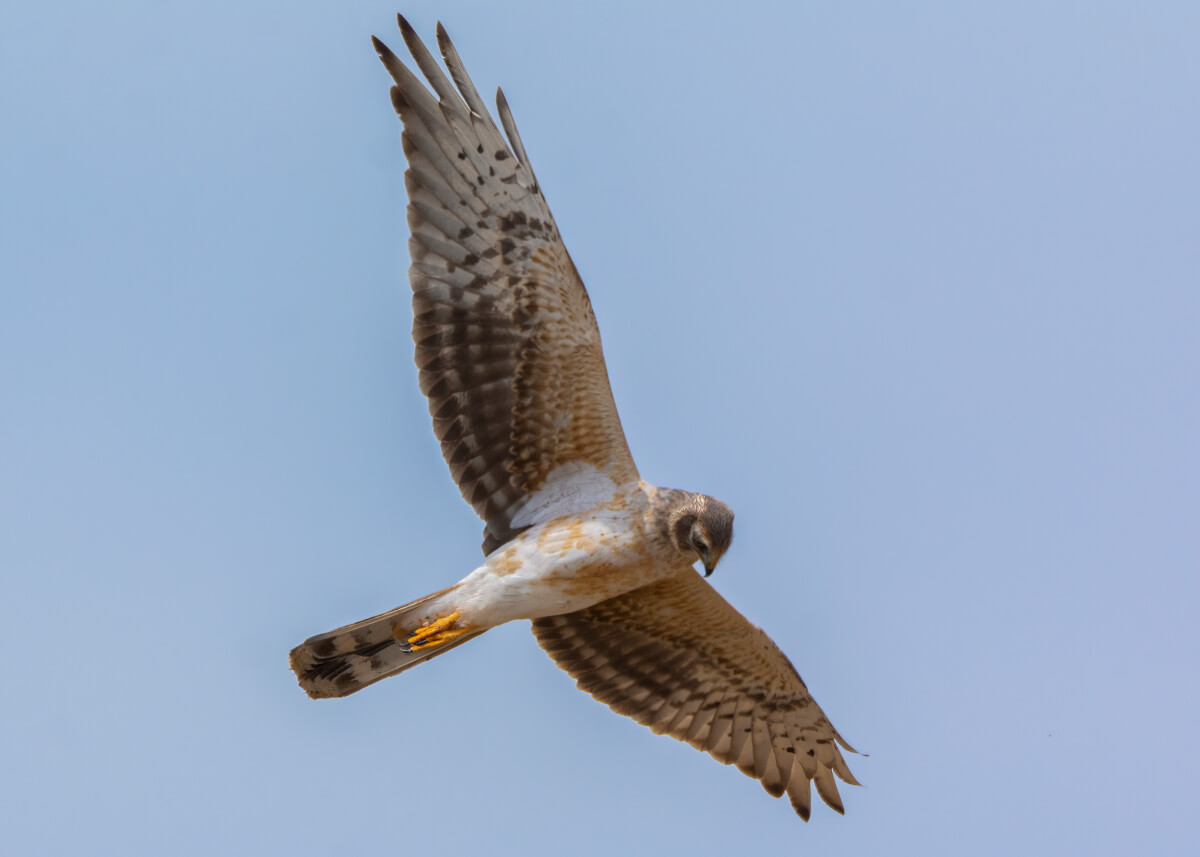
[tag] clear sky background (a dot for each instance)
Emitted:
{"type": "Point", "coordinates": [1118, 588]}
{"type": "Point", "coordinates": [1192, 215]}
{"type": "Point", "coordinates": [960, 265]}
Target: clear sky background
{"type": "Point", "coordinates": [915, 288]}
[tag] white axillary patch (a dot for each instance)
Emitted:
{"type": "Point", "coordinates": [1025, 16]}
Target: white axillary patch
{"type": "Point", "coordinates": [569, 489]}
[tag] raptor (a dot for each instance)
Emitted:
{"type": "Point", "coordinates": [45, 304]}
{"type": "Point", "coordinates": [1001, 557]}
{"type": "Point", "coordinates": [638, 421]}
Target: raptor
{"type": "Point", "coordinates": [509, 356]}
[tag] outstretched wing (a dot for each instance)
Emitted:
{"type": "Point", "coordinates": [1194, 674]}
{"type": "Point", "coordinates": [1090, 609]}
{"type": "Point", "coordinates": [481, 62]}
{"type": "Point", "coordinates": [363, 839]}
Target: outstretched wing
{"type": "Point", "coordinates": [506, 342]}
{"type": "Point", "coordinates": [675, 656]}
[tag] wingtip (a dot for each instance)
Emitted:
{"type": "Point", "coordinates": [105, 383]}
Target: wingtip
{"type": "Point", "coordinates": [443, 39]}
{"type": "Point", "coordinates": [380, 48]}
{"type": "Point", "coordinates": [836, 805]}
{"type": "Point", "coordinates": [409, 34]}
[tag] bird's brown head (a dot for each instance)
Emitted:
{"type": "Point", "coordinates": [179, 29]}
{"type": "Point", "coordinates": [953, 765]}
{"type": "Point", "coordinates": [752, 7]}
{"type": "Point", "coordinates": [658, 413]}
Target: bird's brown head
{"type": "Point", "coordinates": [702, 527]}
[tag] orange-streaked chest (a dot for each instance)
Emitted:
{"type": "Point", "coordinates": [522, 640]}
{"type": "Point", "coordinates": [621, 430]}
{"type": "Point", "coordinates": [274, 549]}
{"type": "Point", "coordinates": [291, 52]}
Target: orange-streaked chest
{"type": "Point", "coordinates": [574, 561]}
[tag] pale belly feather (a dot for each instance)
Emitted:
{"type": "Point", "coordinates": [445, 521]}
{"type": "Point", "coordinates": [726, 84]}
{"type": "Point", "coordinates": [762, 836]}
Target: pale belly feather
{"type": "Point", "coordinates": [564, 565]}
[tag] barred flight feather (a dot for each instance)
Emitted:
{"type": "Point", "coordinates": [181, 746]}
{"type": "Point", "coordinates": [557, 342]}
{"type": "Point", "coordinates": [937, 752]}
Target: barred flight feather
{"type": "Point", "coordinates": [678, 658]}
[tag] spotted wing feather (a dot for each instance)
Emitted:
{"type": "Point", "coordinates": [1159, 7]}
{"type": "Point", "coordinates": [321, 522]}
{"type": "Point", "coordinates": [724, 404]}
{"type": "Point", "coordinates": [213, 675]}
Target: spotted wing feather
{"type": "Point", "coordinates": [675, 656]}
{"type": "Point", "coordinates": [507, 345]}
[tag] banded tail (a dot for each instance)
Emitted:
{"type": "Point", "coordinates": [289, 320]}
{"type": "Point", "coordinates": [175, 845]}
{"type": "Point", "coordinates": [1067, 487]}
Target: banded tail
{"type": "Point", "coordinates": [338, 663]}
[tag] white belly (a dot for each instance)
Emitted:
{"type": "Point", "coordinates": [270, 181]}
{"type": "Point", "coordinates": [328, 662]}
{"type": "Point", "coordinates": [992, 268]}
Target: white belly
{"type": "Point", "coordinates": [560, 566]}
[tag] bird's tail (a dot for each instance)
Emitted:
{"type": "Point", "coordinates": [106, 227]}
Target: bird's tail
{"type": "Point", "coordinates": [338, 663]}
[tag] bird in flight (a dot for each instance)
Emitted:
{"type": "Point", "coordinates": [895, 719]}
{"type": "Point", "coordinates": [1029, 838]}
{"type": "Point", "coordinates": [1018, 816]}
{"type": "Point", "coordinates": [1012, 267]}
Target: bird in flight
{"type": "Point", "coordinates": [509, 356]}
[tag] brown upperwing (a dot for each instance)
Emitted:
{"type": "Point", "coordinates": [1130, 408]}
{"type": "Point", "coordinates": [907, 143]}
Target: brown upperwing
{"type": "Point", "coordinates": [506, 342]}
{"type": "Point", "coordinates": [677, 657]}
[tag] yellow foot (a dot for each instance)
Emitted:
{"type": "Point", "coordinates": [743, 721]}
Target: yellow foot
{"type": "Point", "coordinates": [435, 633]}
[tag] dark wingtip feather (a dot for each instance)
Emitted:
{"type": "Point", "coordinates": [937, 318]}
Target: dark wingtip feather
{"type": "Point", "coordinates": [409, 34]}
{"type": "Point", "coordinates": [383, 50]}
{"type": "Point", "coordinates": [444, 39]}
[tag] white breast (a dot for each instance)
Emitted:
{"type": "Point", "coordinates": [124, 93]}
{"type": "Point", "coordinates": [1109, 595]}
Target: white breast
{"type": "Point", "coordinates": [566, 563]}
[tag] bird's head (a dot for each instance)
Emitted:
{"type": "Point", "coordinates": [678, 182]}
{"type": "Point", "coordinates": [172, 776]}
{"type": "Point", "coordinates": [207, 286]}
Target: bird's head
{"type": "Point", "coordinates": [702, 527]}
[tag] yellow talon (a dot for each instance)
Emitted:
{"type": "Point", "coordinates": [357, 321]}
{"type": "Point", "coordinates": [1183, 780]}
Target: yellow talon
{"type": "Point", "coordinates": [435, 633]}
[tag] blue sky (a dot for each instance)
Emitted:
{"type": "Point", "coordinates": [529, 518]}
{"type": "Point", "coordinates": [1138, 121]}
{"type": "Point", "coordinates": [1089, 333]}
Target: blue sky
{"type": "Point", "coordinates": [915, 290]}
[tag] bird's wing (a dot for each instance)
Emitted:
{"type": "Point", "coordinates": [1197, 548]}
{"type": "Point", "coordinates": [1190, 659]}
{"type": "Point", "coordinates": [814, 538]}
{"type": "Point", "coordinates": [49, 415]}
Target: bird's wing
{"type": "Point", "coordinates": [675, 656]}
{"type": "Point", "coordinates": [506, 342]}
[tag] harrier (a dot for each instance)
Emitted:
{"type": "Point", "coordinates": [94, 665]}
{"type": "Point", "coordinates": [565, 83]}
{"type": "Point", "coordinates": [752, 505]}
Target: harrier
{"type": "Point", "coordinates": [601, 562]}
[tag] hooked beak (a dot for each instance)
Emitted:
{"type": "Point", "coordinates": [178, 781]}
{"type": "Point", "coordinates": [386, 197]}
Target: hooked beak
{"type": "Point", "coordinates": [708, 569]}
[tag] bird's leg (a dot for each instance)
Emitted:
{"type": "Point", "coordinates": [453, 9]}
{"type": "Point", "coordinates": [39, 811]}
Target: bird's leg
{"type": "Point", "coordinates": [435, 633]}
